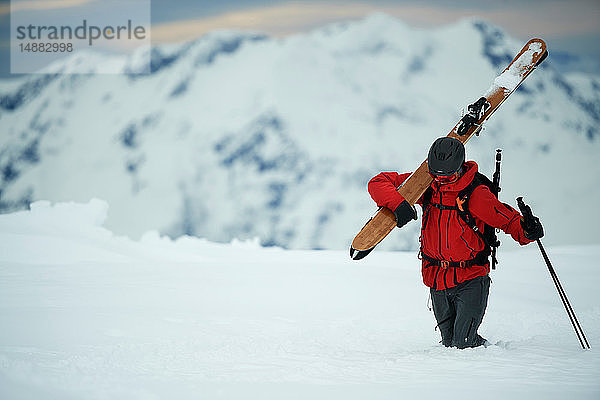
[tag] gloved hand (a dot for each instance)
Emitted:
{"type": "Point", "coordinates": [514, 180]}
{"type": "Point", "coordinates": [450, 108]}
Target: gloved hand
{"type": "Point", "coordinates": [404, 213]}
{"type": "Point", "coordinates": [532, 227]}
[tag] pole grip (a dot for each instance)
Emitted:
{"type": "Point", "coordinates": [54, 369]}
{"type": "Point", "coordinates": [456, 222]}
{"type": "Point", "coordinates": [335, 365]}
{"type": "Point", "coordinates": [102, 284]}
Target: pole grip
{"type": "Point", "coordinates": [496, 176]}
{"type": "Point", "coordinates": [525, 209]}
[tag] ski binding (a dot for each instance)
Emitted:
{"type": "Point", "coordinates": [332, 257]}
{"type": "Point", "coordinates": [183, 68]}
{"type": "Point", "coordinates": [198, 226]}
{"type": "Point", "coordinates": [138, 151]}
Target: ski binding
{"type": "Point", "coordinates": [474, 114]}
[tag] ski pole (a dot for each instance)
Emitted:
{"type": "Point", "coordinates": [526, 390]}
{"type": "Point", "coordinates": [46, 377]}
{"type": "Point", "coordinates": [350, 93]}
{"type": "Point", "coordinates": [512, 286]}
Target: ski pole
{"type": "Point", "coordinates": [527, 213]}
{"type": "Point", "coordinates": [561, 291]}
{"type": "Point", "coordinates": [496, 182]}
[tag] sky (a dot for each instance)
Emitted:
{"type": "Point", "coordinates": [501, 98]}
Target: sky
{"type": "Point", "coordinates": [572, 26]}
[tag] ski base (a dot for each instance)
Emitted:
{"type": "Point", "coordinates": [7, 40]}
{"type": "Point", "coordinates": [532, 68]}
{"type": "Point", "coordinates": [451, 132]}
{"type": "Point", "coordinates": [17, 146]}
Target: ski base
{"type": "Point", "coordinates": [359, 254]}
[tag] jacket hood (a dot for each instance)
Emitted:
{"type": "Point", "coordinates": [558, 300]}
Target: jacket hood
{"type": "Point", "coordinates": [462, 182]}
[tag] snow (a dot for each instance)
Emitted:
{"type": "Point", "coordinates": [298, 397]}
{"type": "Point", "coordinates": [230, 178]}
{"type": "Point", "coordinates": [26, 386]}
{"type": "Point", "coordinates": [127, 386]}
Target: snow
{"type": "Point", "coordinates": [86, 314]}
{"type": "Point", "coordinates": [510, 78]}
{"type": "Point", "coordinates": [506, 80]}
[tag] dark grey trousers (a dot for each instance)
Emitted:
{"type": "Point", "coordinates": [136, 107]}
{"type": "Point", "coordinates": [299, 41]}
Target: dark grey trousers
{"type": "Point", "coordinates": [459, 311]}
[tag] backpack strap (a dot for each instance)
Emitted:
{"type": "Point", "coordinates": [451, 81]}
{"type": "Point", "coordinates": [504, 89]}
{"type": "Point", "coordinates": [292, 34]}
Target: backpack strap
{"type": "Point", "coordinates": [462, 203]}
{"type": "Point", "coordinates": [481, 258]}
{"type": "Point", "coordinates": [426, 203]}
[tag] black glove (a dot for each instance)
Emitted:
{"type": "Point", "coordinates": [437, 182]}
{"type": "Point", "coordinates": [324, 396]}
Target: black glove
{"type": "Point", "coordinates": [404, 213]}
{"type": "Point", "coordinates": [532, 227]}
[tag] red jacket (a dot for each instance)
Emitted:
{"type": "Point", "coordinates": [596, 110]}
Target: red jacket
{"type": "Point", "coordinates": [445, 236]}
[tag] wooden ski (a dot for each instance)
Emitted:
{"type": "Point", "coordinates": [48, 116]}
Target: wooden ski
{"type": "Point", "coordinates": [384, 221]}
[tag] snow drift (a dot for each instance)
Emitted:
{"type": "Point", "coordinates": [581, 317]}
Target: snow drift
{"type": "Point", "coordinates": [86, 314]}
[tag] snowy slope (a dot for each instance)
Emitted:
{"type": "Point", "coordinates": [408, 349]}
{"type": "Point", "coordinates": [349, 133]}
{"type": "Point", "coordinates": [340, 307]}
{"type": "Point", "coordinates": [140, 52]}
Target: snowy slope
{"type": "Point", "coordinates": [86, 314]}
{"type": "Point", "coordinates": [238, 135]}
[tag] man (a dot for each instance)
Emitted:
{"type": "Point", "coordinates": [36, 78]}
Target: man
{"type": "Point", "coordinates": [455, 256]}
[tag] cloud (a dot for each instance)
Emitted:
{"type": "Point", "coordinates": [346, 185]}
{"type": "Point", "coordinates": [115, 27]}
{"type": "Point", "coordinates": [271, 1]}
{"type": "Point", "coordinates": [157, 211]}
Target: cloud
{"type": "Point", "coordinates": [555, 18]}
{"type": "Point", "coordinates": [276, 20]}
{"type": "Point", "coordinates": [40, 5]}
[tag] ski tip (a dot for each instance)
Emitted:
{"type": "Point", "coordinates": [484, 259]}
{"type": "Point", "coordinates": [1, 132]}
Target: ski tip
{"type": "Point", "coordinates": [544, 48]}
{"type": "Point", "coordinates": [359, 254]}
{"type": "Point", "coordinates": [537, 40]}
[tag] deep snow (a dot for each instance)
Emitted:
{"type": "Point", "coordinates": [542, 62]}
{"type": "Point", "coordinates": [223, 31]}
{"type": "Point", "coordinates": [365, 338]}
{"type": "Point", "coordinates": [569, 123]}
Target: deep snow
{"type": "Point", "coordinates": [89, 315]}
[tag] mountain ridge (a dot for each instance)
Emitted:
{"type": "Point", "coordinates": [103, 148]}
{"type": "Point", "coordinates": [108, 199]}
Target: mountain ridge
{"type": "Point", "coordinates": [241, 135]}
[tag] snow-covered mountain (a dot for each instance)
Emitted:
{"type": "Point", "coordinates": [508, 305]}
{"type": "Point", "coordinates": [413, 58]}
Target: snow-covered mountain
{"type": "Point", "coordinates": [238, 135]}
